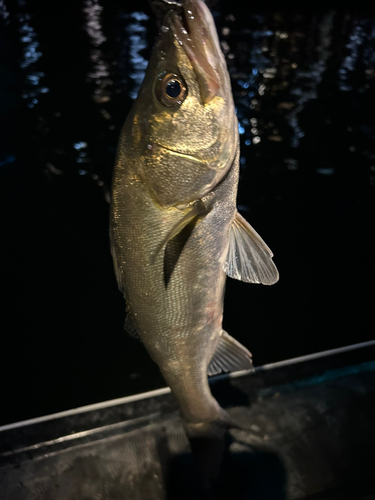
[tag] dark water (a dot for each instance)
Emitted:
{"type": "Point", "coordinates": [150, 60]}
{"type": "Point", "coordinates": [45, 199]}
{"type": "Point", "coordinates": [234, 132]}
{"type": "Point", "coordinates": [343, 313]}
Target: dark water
{"type": "Point", "coordinates": [304, 87]}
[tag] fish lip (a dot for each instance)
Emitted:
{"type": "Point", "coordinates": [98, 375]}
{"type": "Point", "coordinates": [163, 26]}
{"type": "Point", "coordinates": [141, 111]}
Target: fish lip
{"type": "Point", "coordinates": [195, 33]}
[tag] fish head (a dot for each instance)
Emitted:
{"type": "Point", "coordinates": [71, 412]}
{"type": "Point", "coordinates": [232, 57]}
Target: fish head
{"type": "Point", "coordinates": [184, 122]}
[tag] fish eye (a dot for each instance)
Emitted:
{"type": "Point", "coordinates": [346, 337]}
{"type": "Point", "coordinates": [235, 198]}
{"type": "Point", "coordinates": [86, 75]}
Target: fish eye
{"type": "Point", "coordinates": [171, 90]}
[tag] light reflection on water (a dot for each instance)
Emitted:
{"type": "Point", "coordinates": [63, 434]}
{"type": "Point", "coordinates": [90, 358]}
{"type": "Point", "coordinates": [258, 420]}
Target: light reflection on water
{"type": "Point", "coordinates": [33, 84]}
{"type": "Point", "coordinates": [309, 77]}
{"type": "Point", "coordinates": [283, 68]}
{"type": "Point", "coordinates": [356, 39]}
{"type": "Point", "coordinates": [136, 36]}
{"type": "Point", "coordinates": [4, 14]}
{"type": "Point", "coordinates": [279, 67]}
{"type": "Point", "coordinates": [99, 74]}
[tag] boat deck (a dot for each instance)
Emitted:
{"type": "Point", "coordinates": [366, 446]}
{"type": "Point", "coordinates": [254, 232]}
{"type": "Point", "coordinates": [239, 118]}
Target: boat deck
{"type": "Point", "coordinates": [307, 433]}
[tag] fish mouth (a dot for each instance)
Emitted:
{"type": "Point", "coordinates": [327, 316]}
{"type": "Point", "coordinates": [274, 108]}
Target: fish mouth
{"type": "Point", "coordinates": [194, 29]}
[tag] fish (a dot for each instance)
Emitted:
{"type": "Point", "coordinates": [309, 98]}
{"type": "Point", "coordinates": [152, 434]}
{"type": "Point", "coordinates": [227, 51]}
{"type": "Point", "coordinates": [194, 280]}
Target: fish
{"type": "Point", "coordinates": [175, 230]}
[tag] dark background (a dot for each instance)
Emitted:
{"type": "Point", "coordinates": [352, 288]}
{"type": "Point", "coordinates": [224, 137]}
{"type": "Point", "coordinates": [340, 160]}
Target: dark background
{"type": "Point", "coordinates": [303, 83]}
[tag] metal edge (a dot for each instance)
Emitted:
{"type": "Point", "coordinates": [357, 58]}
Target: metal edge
{"type": "Point", "coordinates": [166, 390]}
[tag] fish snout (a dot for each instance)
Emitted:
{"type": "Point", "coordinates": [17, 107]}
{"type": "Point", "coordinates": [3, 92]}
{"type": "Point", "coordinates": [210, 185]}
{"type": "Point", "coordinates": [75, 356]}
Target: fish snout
{"type": "Point", "coordinates": [194, 29]}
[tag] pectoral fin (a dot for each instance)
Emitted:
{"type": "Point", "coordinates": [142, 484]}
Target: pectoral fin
{"type": "Point", "coordinates": [229, 356]}
{"type": "Point", "coordinates": [249, 259]}
{"type": "Point", "coordinates": [177, 237]}
{"type": "Point", "coordinates": [197, 209]}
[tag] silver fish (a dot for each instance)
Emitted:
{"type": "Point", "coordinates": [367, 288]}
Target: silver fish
{"type": "Point", "coordinates": [175, 230]}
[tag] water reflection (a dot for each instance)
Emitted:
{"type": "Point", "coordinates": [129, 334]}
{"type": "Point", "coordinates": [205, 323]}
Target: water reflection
{"type": "Point", "coordinates": [301, 84]}
{"type": "Point", "coordinates": [356, 39]}
{"type": "Point", "coordinates": [98, 79]}
{"type": "Point", "coordinates": [82, 156]}
{"type": "Point", "coordinates": [4, 14]}
{"type": "Point", "coordinates": [137, 41]}
{"type": "Point", "coordinates": [308, 76]}
{"type": "Point", "coordinates": [99, 74]}
{"type": "Point", "coordinates": [283, 69]}
{"type": "Point", "coordinates": [31, 54]}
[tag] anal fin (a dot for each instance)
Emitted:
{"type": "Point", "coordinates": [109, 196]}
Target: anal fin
{"type": "Point", "coordinates": [229, 356]}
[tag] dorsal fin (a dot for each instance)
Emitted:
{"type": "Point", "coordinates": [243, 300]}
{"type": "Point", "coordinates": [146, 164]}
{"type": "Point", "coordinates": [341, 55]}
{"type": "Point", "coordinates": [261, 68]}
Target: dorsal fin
{"type": "Point", "coordinates": [249, 259]}
{"type": "Point", "coordinates": [230, 356]}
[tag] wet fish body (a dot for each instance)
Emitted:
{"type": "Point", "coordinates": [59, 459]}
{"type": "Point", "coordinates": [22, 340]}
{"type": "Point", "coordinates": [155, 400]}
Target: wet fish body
{"type": "Point", "coordinates": [175, 229]}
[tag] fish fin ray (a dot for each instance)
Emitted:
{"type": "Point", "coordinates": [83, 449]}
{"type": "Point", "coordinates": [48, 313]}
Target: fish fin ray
{"type": "Point", "coordinates": [249, 259]}
{"type": "Point", "coordinates": [229, 356]}
{"type": "Point", "coordinates": [116, 262]}
{"type": "Point", "coordinates": [197, 209]}
{"type": "Point", "coordinates": [130, 327]}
